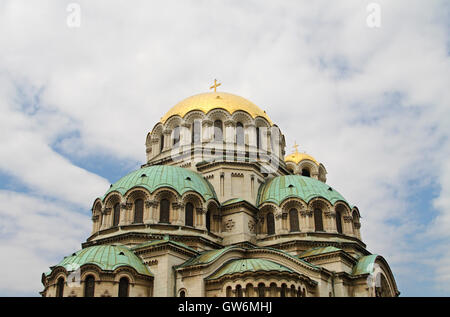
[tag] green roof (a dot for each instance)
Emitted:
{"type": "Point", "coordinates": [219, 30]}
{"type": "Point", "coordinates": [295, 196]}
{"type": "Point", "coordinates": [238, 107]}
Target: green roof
{"type": "Point", "coordinates": [280, 188]}
{"type": "Point", "coordinates": [206, 257]}
{"type": "Point", "coordinates": [236, 200]}
{"type": "Point", "coordinates": [107, 257]}
{"type": "Point", "coordinates": [212, 255]}
{"type": "Point", "coordinates": [248, 265]}
{"type": "Point", "coordinates": [153, 177]}
{"type": "Point", "coordinates": [157, 242]}
{"type": "Point", "coordinates": [317, 251]}
{"type": "Point", "coordinates": [365, 265]}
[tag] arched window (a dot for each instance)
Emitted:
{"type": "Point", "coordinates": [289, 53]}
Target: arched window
{"type": "Point", "coordinates": [249, 290]}
{"type": "Point", "coordinates": [196, 132]}
{"type": "Point", "coordinates": [176, 136]}
{"type": "Point", "coordinates": [299, 292]}
{"type": "Point", "coordinates": [258, 140]}
{"type": "Point", "coordinates": [293, 291]}
{"type": "Point", "coordinates": [139, 211]}
{"type": "Point", "coordinates": [123, 287]}
{"type": "Point", "coordinates": [261, 290]}
{"type": "Point", "coordinates": [228, 292]}
{"type": "Point", "coordinates": [239, 134]}
{"type": "Point", "coordinates": [161, 143]}
{"type": "Point", "coordinates": [270, 224]}
{"type": "Point", "coordinates": [208, 220]}
{"type": "Point", "coordinates": [116, 216]}
{"type": "Point", "coordinates": [182, 294]}
{"type": "Point", "coordinates": [273, 290]}
{"type": "Point", "coordinates": [89, 286]}
{"type": "Point", "coordinates": [60, 287]}
{"type": "Point", "coordinates": [189, 215]}
{"type": "Point", "coordinates": [293, 220]}
{"type": "Point", "coordinates": [306, 172]}
{"type": "Point", "coordinates": [239, 291]}
{"type": "Point", "coordinates": [338, 222]}
{"type": "Point", "coordinates": [218, 131]}
{"type": "Point", "coordinates": [283, 290]}
{"type": "Point", "coordinates": [318, 221]}
{"type": "Point", "coordinates": [355, 222]}
{"type": "Point", "coordinates": [164, 209]}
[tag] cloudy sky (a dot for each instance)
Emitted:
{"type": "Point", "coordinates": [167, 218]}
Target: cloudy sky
{"type": "Point", "coordinates": [372, 103]}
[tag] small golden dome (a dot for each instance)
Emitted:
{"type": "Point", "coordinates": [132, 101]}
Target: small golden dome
{"type": "Point", "coordinates": [297, 157]}
{"type": "Point", "coordinates": [205, 102]}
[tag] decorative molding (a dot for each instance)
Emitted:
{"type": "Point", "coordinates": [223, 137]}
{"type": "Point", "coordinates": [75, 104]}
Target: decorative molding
{"type": "Point", "coordinates": [348, 218]}
{"type": "Point", "coordinates": [229, 225]}
{"type": "Point", "coordinates": [251, 226]}
{"type": "Point", "coordinates": [177, 205]}
{"type": "Point", "coordinates": [151, 203]}
{"type": "Point", "coordinates": [201, 210]}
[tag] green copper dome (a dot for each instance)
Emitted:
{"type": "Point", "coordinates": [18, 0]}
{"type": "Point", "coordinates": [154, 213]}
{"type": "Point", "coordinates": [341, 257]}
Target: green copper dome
{"type": "Point", "coordinates": [106, 257]}
{"type": "Point", "coordinates": [279, 188]}
{"type": "Point", "coordinates": [248, 265]}
{"type": "Point", "coordinates": [180, 179]}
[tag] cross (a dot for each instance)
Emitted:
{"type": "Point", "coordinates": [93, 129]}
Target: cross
{"type": "Point", "coordinates": [296, 147]}
{"type": "Point", "coordinates": [215, 85]}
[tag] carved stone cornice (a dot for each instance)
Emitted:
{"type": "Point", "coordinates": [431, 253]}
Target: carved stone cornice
{"type": "Point", "coordinates": [348, 219]}
{"type": "Point", "coordinates": [201, 210]}
{"type": "Point", "coordinates": [151, 203]}
{"type": "Point", "coordinates": [357, 225]}
{"type": "Point", "coordinates": [126, 206]}
{"type": "Point", "coordinates": [305, 213]}
{"type": "Point", "coordinates": [284, 215]}
{"type": "Point", "coordinates": [177, 205]}
{"type": "Point", "coordinates": [95, 218]}
{"type": "Point", "coordinates": [229, 123]}
{"type": "Point", "coordinates": [278, 215]}
{"type": "Point", "coordinates": [106, 211]}
{"type": "Point", "coordinates": [207, 122]}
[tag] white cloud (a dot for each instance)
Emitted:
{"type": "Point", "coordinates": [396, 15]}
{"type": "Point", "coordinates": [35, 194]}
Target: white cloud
{"type": "Point", "coordinates": [36, 233]}
{"type": "Point", "coordinates": [371, 104]}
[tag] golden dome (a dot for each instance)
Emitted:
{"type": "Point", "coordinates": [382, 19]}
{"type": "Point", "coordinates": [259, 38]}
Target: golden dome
{"type": "Point", "coordinates": [297, 157]}
{"type": "Point", "coordinates": [212, 100]}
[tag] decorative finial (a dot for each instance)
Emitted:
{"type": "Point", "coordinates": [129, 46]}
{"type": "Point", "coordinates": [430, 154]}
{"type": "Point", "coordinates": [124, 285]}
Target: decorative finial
{"type": "Point", "coordinates": [295, 147]}
{"type": "Point", "coordinates": [215, 85]}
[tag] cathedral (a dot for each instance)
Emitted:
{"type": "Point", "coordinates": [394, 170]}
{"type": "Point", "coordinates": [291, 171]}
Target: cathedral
{"type": "Point", "coordinates": [219, 210]}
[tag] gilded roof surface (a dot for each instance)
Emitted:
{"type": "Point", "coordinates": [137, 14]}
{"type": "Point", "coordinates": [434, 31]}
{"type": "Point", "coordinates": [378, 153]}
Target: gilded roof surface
{"type": "Point", "coordinates": [365, 265]}
{"type": "Point", "coordinates": [153, 177]}
{"type": "Point", "coordinates": [205, 102]}
{"type": "Point", "coordinates": [107, 257]}
{"type": "Point", "coordinates": [248, 265]}
{"type": "Point", "coordinates": [279, 188]}
{"type": "Point", "coordinates": [297, 157]}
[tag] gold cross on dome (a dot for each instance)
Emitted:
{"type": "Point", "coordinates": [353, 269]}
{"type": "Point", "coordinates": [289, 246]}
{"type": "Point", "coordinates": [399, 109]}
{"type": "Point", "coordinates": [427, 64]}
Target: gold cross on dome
{"type": "Point", "coordinates": [295, 147]}
{"type": "Point", "coordinates": [215, 85]}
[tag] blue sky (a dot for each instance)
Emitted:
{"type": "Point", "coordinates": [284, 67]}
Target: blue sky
{"type": "Point", "coordinates": [371, 104]}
